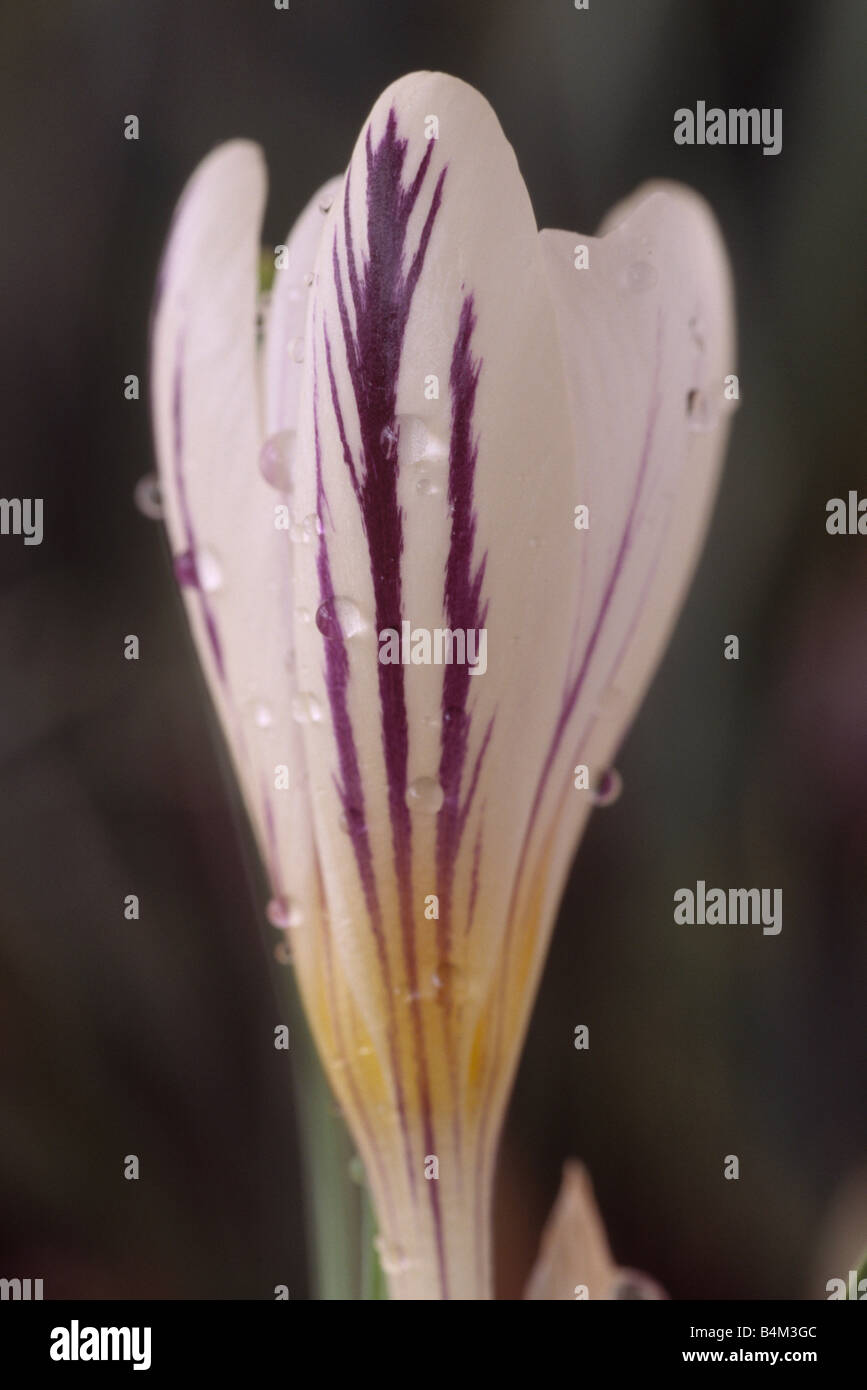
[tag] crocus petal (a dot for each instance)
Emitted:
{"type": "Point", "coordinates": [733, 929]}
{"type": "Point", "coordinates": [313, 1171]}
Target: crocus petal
{"type": "Point", "coordinates": [231, 559]}
{"type": "Point", "coordinates": [449, 391]}
{"type": "Point", "coordinates": [457, 513]}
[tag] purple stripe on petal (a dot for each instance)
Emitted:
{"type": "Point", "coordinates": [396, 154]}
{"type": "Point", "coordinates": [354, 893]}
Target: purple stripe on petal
{"type": "Point", "coordinates": [461, 602]}
{"type": "Point", "coordinates": [381, 293]}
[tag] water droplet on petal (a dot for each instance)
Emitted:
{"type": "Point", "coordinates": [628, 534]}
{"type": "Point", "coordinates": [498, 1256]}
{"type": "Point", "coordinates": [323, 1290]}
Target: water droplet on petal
{"type": "Point", "coordinates": [262, 716]}
{"type": "Point", "coordinates": [392, 1257]}
{"type": "Point", "coordinates": [338, 617]}
{"type": "Point", "coordinates": [425, 794]}
{"type": "Point", "coordinates": [276, 459]}
{"type": "Point", "coordinates": [701, 413]}
{"type": "Point", "coordinates": [326, 202]}
{"type": "Point", "coordinates": [454, 716]}
{"type": "Point", "coordinates": [306, 709]}
{"type": "Point", "coordinates": [303, 615]}
{"type": "Point", "coordinates": [283, 953]}
{"type": "Point", "coordinates": [282, 913]}
{"type": "Point", "coordinates": [638, 276]}
{"type": "Point", "coordinates": [296, 349]}
{"type": "Point", "coordinates": [351, 821]}
{"type": "Point", "coordinates": [184, 566]}
{"type": "Point", "coordinates": [148, 497]}
{"type": "Point", "coordinates": [413, 436]}
{"type": "Point", "coordinates": [609, 787]}
{"type": "Point", "coordinates": [210, 572]}
{"type": "Point", "coordinates": [311, 526]}
{"type": "Point", "coordinates": [198, 570]}
{"type": "Point", "coordinates": [309, 278]}
{"type": "Point", "coordinates": [388, 439]}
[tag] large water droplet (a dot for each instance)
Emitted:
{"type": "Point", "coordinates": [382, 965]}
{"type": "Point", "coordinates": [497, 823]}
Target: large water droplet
{"type": "Point", "coordinates": [639, 276]}
{"type": "Point", "coordinates": [276, 459]}
{"type": "Point", "coordinates": [608, 789]}
{"type": "Point", "coordinates": [425, 794]}
{"type": "Point", "coordinates": [306, 709]}
{"type": "Point", "coordinates": [338, 617]}
{"type": "Point", "coordinates": [148, 497]}
{"type": "Point", "coordinates": [702, 414]}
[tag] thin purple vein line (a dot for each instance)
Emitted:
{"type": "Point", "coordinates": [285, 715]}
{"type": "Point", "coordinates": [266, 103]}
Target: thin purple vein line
{"type": "Point", "coordinates": [180, 483]}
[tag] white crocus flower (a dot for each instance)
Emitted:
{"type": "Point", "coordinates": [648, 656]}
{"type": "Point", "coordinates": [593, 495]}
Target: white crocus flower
{"type": "Point", "coordinates": [441, 390]}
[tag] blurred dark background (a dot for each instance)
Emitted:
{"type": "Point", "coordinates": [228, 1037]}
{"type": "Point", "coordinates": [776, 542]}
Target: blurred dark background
{"type": "Point", "coordinates": [154, 1037]}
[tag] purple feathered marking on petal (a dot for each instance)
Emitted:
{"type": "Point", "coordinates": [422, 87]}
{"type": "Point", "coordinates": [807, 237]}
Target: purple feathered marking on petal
{"type": "Point", "coordinates": [349, 786]}
{"type": "Point", "coordinates": [374, 301]}
{"type": "Point", "coordinates": [464, 612]}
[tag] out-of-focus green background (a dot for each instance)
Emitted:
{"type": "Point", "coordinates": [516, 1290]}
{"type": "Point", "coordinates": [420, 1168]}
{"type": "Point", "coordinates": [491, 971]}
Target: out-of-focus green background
{"type": "Point", "coordinates": [155, 1037]}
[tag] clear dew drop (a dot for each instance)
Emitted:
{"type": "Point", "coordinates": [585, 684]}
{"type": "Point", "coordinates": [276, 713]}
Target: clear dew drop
{"type": "Point", "coordinates": [454, 716]}
{"type": "Point", "coordinates": [338, 617]}
{"type": "Point", "coordinates": [388, 440]}
{"type": "Point", "coordinates": [351, 820]}
{"type": "Point", "coordinates": [414, 439]}
{"type": "Point", "coordinates": [701, 413]}
{"type": "Point", "coordinates": [308, 279]}
{"type": "Point", "coordinates": [608, 788]}
{"type": "Point", "coordinates": [276, 459]}
{"type": "Point", "coordinates": [448, 982]}
{"type": "Point", "coordinates": [148, 498]}
{"type": "Point", "coordinates": [296, 349]}
{"type": "Point", "coordinates": [306, 709]}
{"type": "Point", "coordinates": [393, 1259]}
{"type": "Point", "coordinates": [282, 913]}
{"type": "Point", "coordinates": [210, 571]}
{"type": "Point", "coordinates": [262, 716]}
{"type": "Point", "coordinates": [639, 276]}
{"type": "Point", "coordinates": [425, 794]}
{"type": "Point", "coordinates": [199, 570]}
{"type": "Point", "coordinates": [326, 202]}
{"type": "Point", "coordinates": [311, 526]}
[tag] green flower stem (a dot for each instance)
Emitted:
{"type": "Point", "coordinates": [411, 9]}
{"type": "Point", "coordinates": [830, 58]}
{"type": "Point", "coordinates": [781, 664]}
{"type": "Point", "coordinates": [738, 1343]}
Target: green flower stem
{"type": "Point", "coordinates": [340, 1220]}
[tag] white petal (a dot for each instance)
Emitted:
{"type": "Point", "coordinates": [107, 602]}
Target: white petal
{"type": "Point", "coordinates": [219, 510]}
